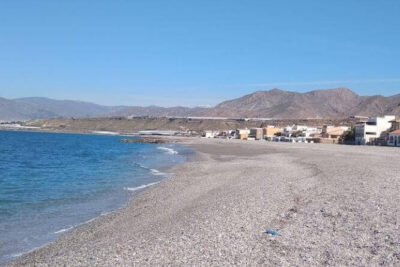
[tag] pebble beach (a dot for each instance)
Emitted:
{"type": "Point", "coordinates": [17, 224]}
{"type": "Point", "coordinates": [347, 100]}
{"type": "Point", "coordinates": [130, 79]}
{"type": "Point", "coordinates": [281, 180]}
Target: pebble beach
{"type": "Point", "coordinates": [249, 203]}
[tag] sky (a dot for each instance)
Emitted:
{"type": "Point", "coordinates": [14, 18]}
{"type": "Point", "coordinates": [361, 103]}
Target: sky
{"type": "Point", "coordinates": [192, 53]}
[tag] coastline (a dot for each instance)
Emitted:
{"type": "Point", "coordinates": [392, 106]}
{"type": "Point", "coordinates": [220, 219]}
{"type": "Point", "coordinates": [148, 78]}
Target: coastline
{"type": "Point", "coordinates": [216, 207]}
{"type": "Point", "coordinates": [166, 172]}
{"type": "Point", "coordinates": [138, 172]}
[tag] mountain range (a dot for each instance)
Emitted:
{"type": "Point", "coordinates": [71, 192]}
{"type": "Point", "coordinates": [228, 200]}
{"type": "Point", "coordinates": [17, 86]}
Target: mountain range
{"type": "Point", "coordinates": [275, 103]}
{"type": "Point", "coordinates": [331, 103]}
{"type": "Point", "coordinates": [31, 108]}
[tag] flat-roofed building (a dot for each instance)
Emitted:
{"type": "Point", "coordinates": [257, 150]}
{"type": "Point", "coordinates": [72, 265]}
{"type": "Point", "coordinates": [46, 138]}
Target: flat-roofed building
{"type": "Point", "coordinates": [210, 134]}
{"type": "Point", "coordinates": [270, 132]}
{"type": "Point", "coordinates": [368, 132]}
{"type": "Point", "coordinates": [333, 132]}
{"type": "Point", "coordinates": [242, 133]}
{"type": "Point", "coordinates": [256, 133]}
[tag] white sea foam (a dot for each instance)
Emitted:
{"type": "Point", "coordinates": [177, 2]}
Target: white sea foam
{"type": "Point", "coordinates": [140, 187]}
{"type": "Point", "coordinates": [157, 172]}
{"type": "Point", "coordinates": [82, 223]}
{"type": "Point", "coordinates": [105, 213]}
{"type": "Point", "coordinates": [168, 150]}
{"type": "Point", "coordinates": [63, 230]}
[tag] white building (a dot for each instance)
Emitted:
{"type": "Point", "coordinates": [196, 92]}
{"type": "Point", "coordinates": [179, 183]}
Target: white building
{"type": "Point", "coordinates": [306, 131]}
{"type": "Point", "coordinates": [299, 128]}
{"type": "Point", "coordinates": [311, 130]}
{"type": "Point", "coordinates": [210, 134]}
{"type": "Point", "coordinates": [369, 131]}
{"type": "Point", "coordinates": [287, 131]}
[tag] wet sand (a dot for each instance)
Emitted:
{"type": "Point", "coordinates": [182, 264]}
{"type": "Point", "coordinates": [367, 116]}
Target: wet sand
{"type": "Point", "coordinates": [330, 204]}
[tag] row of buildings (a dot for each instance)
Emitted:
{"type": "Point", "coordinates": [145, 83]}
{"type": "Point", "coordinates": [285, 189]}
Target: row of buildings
{"type": "Point", "coordinates": [368, 131]}
{"type": "Point", "coordinates": [378, 131]}
{"type": "Point", "coordinates": [295, 133]}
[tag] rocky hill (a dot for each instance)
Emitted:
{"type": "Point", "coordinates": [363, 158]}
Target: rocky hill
{"type": "Point", "coordinates": [279, 104]}
{"type": "Point", "coordinates": [31, 108]}
{"type": "Point", "coordinates": [333, 103]}
{"type": "Point", "coordinates": [275, 103]}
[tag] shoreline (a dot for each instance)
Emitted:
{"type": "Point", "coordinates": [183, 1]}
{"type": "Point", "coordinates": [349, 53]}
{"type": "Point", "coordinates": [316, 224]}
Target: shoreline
{"type": "Point", "coordinates": [169, 173]}
{"type": "Point", "coordinates": [160, 173]}
{"type": "Point", "coordinates": [216, 207]}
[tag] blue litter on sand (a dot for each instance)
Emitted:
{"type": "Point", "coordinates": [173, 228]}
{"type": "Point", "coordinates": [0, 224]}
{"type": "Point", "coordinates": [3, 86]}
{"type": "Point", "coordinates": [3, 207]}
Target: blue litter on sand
{"type": "Point", "coordinates": [271, 232]}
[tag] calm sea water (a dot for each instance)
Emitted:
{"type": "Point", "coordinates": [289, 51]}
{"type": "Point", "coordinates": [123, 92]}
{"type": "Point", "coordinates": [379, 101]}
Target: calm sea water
{"type": "Point", "coordinates": [50, 183]}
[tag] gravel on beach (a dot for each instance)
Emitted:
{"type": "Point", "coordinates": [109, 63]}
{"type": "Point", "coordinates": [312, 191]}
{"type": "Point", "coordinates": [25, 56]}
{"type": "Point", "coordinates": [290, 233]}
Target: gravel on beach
{"type": "Point", "coordinates": [329, 205]}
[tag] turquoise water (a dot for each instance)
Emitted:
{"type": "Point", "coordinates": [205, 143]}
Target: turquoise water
{"type": "Point", "coordinates": [50, 183]}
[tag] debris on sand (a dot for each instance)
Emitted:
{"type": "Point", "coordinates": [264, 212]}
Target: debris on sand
{"type": "Point", "coordinates": [271, 232]}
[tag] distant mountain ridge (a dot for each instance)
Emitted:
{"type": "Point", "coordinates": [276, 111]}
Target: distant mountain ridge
{"type": "Point", "coordinates": [330, 103]}
{"type": "Point", "coordinates": [274, 104]}
{"type": "Point", "coordinates": [32, 108]}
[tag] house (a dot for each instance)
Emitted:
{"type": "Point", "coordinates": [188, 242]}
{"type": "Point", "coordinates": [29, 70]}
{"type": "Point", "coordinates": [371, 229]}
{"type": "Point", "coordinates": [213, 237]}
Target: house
{"type": "Point", "coordinates": [270, 132]}
{"type": "Point", "coordinates": [286, 131]}
{"type": "Point", "coordinates": [256, 133]}
{"type": "Point", "coordinates": [210, 134]}
{"type": "Point", "coordinates": [289, 130]}
{"type": "Point", "coordinates": [230, 134]}
{"type": "Point", "coordinates": [372, 130]}
{"type": "Point", "coordinates": [299, 130]}
{"type": "Point", "coordinates": [329, 134]}
{"type": "Point", "coordinates": [394, 138]}
{"type": "Point", "coordinates": [310, 131]}
{"type": "Point", "coordinates": [242, 134]}
{"type": "Point", "coordinates": [332, 132]}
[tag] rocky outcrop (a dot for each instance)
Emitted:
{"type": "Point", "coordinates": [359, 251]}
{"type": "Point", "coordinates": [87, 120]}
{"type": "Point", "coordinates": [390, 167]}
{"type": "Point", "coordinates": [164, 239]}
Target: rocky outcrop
{"type": "Point", "coordinates": [144, 141]}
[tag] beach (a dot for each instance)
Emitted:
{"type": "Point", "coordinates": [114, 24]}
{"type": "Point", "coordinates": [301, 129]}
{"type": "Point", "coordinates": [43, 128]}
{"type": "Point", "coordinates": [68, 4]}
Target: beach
{"type": "Point", "coordinates": [328, 204]}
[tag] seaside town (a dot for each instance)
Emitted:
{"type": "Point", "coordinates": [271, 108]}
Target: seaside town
{"type": "Point", "coordinates": [199, 133]}
{"type": "Point", "coordinates": [380, 131]}
{"type": "Point", "coordinates": [373, 131]}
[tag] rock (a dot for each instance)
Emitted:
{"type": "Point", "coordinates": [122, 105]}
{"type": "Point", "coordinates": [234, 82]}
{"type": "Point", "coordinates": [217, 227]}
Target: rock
{"type": "Point", "coordinates": [144, 141]}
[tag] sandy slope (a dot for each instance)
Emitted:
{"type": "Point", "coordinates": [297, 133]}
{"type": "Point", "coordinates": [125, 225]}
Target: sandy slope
{"type": "Point", "coordinates": [331, 205]}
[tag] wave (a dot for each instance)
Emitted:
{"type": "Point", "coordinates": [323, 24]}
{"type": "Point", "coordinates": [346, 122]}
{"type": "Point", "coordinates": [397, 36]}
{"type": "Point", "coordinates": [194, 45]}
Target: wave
{"type": "Point", "coordinates": [157, 172]}
{"type": "Point", "coordinates": [153, 171]}
{"type": "Point", "coordinates": [63, 230]}
{"type": "Point", "coordinates": [139, 187]}
{"type": "Point", "coordinates": [168, 150]}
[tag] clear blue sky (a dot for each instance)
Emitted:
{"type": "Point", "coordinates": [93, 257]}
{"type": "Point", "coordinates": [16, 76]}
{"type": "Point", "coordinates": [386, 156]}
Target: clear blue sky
{"type": "Point", "coordinates": [195, 52]}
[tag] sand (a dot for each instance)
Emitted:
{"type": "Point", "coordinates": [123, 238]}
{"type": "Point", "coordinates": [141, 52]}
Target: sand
{"type": "Point", "coordinates": [330, 204]}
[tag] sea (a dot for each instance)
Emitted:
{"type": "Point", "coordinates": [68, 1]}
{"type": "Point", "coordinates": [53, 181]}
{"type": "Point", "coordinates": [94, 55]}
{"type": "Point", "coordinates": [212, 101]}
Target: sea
{"type": "Point", "coordinates": [51, 183]}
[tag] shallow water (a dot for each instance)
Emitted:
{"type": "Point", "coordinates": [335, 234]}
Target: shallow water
{"type": "Point", "coordinates": [50, 183]}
